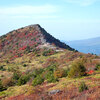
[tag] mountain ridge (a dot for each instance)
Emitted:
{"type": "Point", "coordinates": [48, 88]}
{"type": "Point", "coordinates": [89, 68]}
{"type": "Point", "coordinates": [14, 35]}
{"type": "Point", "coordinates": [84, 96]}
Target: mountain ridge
{"type": "Point", "coordinates": [29, 38]}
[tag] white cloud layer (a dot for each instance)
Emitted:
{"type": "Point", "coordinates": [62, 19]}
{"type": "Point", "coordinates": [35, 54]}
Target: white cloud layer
{"type": "Point", "coordinates": [28, 11]}
{"type": "Point", "coordinates": [82, 2]}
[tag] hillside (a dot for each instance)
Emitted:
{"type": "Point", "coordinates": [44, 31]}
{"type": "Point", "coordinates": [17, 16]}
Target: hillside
{"type": "Point", "coordinates": [36, 66]}
{"type": "Point", "coordinates": [87, 46]}
{"type": "Point", "coordinates": [28, 39]}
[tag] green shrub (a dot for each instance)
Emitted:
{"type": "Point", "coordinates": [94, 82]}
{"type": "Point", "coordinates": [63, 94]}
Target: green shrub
{"type": "Point", "coordinates": [7, 61]}
{"type": "Point", "coordinates": [77, 69]}
{"type": "Point", "coordinates": [97, 67]}
{"type": "Point", "coordinates": [38, 80]}
{"type": "Point", "coordinates": [49, 76]}
{"type": "Point", "coordinates": [52, 68]}
{"type": "Point", "coordinates": [2, 68]}
{"type": "Point", "coordinates": [23, 80]}
{"type": "Point", "coordinates": [45, 53]}
{"type": "Point", "coordinates": [82, 87]}
{"type": "Point", "coordinates": [16, 76]}
{"type": "Point", "coordinates": [49, 73]}
{"type": "Point", "coordinates": [37, 72]}
{"type": "Point", "coordinates": [24, 65]}
{"type": "Point", "coordinates": [2, 88]}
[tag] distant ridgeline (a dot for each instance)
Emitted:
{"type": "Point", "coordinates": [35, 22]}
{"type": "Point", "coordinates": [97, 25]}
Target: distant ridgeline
{"type": "Point", "coordinates": [87, 46]}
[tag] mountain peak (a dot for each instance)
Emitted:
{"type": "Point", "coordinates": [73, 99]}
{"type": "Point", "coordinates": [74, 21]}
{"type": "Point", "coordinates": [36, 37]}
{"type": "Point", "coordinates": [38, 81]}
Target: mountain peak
{"type": "Point", "coordinates": [32, 36]}
{"type": "Point", "coordinates": [34, 25]}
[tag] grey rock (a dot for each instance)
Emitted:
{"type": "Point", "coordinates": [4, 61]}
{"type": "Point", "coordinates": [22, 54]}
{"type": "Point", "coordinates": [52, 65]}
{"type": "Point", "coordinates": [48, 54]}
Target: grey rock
{"type": "Point", "coordinates": [54, 92]}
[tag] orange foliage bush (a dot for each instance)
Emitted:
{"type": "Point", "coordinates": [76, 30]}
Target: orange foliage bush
{"type": "Point", "coordinates": [59, 73]}
{"type": "Point", "coordinates": [7, 82]}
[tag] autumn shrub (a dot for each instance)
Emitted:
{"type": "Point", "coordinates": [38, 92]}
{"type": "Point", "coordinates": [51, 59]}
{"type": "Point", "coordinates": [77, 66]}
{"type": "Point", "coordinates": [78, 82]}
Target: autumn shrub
{"type": "Point", "coordinates": [82, 87]}
{"type": "Point", "coordinates": [59, 73]}
{"type": "Point", "coordinates": [77, 69]}
{"type": "Point", "coordinates": [7, 82]}
{"type": "Point", "coordinates": [90, 72]}
{"type": "Point", "coordinates": [38, 80]}
{"type": "Point", "coordinates": [23, 80]}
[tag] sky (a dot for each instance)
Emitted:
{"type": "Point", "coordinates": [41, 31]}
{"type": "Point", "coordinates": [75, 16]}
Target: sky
{"type": "Point", "coordinates": [66, 20]}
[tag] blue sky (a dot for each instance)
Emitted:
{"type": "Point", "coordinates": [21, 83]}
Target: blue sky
{"type": "Point", "coordinates": [64, 19]}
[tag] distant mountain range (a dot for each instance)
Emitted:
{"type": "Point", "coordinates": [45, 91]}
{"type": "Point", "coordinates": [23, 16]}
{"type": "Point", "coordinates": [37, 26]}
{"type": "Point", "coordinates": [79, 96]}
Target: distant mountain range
{"type": "Point", "coordinates": [86, 46]}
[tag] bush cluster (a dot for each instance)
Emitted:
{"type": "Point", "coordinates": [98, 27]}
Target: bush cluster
{"type": "Point", "coordinates": [77, 69]}
{"type": "Point", "coordinates": [50, 74]}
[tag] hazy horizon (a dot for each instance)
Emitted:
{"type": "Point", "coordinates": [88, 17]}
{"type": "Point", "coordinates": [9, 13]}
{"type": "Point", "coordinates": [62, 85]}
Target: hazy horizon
{"type": "Point", "coordinates": [64, 19]}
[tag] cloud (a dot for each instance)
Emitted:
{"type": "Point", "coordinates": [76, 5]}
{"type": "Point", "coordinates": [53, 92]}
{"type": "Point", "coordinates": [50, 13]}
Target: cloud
{"type": "Point", "coordinates": [82, 2]}
{"type": "Point", "coordinates": [28, 11]}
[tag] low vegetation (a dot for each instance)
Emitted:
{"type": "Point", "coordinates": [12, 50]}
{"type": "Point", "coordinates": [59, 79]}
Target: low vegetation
{"type": "Point", "coordinates": [82, 87]}
{"type": "Point", "coordinates": [52, 72]}
{"type": "Point", "coordinates": [28, 71]}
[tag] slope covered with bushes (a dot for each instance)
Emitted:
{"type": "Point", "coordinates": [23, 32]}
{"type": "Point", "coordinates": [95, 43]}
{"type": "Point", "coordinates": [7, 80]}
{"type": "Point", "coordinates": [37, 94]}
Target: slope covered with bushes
{"type": "Point", "coordinates": [33, 67]}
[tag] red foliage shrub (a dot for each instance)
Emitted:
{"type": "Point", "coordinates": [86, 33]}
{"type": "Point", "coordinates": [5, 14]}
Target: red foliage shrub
{"type": "Point", "coordinates": [90, 72]}
{"type": "Point", "coordinates": [16, 56]}
{"type": "Point", "coordinates": [23, 48]}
